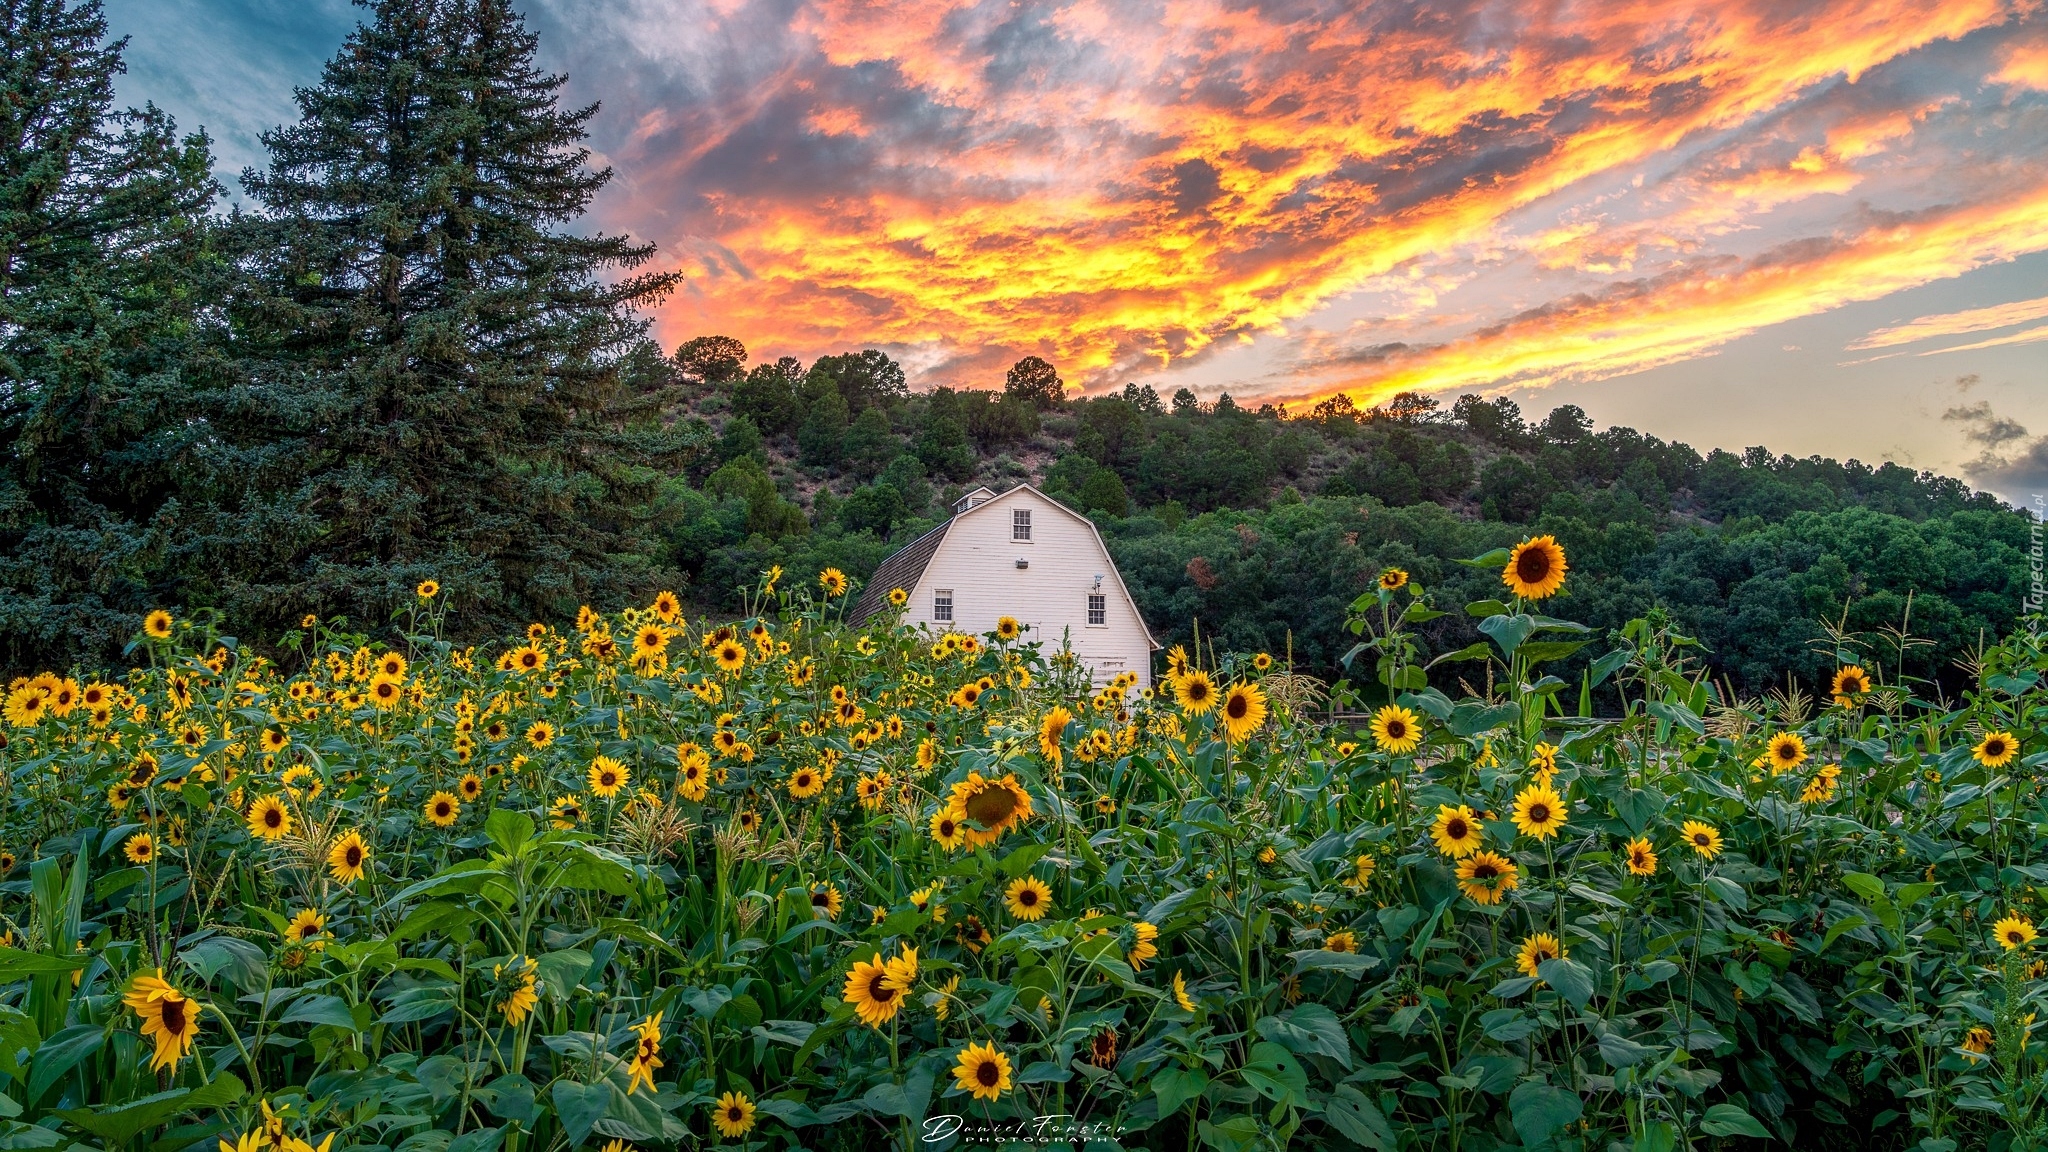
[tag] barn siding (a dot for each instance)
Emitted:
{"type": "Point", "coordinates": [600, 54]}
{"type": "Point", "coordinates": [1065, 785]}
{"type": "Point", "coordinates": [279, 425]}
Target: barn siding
{"type": "Point", "coordinates": [978, 561]}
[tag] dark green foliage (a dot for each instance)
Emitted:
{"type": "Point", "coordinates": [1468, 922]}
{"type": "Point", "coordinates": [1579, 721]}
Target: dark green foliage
{"type": "Point", "coordinates": [712, 359]}
{"type": "Point", "coordinates": [428, 372]}
{"type": "Point", "coordinates": [1035, 382]}
{"type": "Point", "coordinates": [104, 242]}
{"type": "Point", "coordinates": [768, 396]}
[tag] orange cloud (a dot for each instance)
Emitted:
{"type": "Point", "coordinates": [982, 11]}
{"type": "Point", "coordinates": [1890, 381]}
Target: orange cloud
{"type": "Point", "coordinates": [1131, 186]}
{"type": "Point", "coordinates": [2030, 336]}
{"type": "Point", "coordinates": [1955, 323]}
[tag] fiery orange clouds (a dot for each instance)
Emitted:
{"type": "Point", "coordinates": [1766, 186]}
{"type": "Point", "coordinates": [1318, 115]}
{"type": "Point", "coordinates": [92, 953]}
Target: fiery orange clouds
{"type": "Point", "coordinates": [1377, 196]}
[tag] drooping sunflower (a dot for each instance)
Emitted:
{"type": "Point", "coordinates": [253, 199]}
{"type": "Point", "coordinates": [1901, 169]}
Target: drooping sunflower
{"type": "Point", "coordinates": [1180, 993]}
{"type": "Point", "coordinates": [607, 777]}
{"type": "Point", "coordinates": [2014, 931]}
{"type": "Point", "coordinates": [1704, 838]}
{"type": "Point", "coordinates": [1244, 710]}
{"type": "Point", "coordinates": [946, 830]}
{"type": "Point", "coordinates": [1395, 729]}
{"type": "Point", "coordinates": [1539, 811]}
{"type": "Point", "coordinates": [833, 581]}
{"type": "Point", "coordinates": [268, 819]}
{"type": "Point", "coordinates": [523, 995]}
{"type": "Point", "coordinates": [442, 809]}
{"type": "Point", "coordinates": [1535, 569]}
{"type": "Point", "coordinates": [1487, 877]}
{"type": "Point", "coordinates": [1393, 580]}
{"type": "Point", "coordinates": [1050, 730]}
{"type": "Point", "coordinates": [983, 1071]}
{"type": "Point", "coordinates": [157, 625]}
{"type": "Point", "coordinates": [733, 1115]}
{"type": "Point", "coordinates": [1456, 831]}
{"type": "Point", "coordinates": [875, 987]}
{"type": "Point", "coordinates": [1978, 1041]}
{"type": "Point", "coordinates": [350, 856]}
{"type": "Point", "coordinates": [1850, 686]}
{"type": "Point", "coordinates": [1786, 751]}
{"type": "Point", "coordinates": [167, 1015]}
{"type": "Point", "coordinates": [1144, 945]}
{"type": "Point", "coordinates": [1641, 857]}
{"type": "Point", "coordinates": [1195, 692]}
{"type": "Point", "coordinates": [988, 808]}
{"type": "Point", "coordinates": [1028, 898]}
{"type": "Point", "coordinates": [1534, 951]}
{"type": "Point", "coordinates": [1007, 628]}
{"type": "Point", "coordinates": [1996, 750]}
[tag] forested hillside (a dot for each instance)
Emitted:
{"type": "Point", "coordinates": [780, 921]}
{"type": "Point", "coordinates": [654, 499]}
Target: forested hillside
{"type": "Point", "coordinates": [1258, 523]}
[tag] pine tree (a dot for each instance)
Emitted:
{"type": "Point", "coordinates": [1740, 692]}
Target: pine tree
{"type": "Point", "coordinates": [431, 369]}
{"type": "Point", "coordinates": [103, 239]}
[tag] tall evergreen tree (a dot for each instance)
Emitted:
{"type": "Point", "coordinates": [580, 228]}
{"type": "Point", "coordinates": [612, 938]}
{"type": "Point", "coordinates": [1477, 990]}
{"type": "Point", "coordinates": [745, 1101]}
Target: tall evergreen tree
{"type": "Point", "coordinates": [431, 367]}
{"type": "Point", "coordinates": [103, 231]}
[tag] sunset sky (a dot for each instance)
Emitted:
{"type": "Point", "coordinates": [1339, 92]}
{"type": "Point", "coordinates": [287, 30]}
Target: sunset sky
{"type": "Point", "coordinates": [1818, 226]}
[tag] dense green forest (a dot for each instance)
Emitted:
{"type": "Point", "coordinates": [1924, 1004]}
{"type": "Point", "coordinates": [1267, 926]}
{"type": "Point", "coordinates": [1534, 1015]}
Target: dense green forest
{"type": "Point", "coordinates": [400, 360]}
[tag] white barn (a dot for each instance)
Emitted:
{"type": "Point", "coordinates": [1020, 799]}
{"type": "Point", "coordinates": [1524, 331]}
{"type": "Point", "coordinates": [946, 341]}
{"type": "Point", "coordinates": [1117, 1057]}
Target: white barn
{"type": "Point", "coordinates": [1025, 555]}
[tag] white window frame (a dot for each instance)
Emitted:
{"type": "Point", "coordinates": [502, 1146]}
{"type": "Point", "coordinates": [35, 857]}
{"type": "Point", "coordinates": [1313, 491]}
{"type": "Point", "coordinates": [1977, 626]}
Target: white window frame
{"type": "Point", "coordinates": [1098, 610]}
{"type": "Point", "coordinates": [1020, 525]}
{"type": "Point", "coordinates": [942, 605]}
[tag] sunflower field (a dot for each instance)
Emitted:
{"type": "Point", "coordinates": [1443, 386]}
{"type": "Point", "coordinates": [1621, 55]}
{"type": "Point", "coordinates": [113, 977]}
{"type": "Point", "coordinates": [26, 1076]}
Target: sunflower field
{"type": "Point", "coordinates": [636, 882]}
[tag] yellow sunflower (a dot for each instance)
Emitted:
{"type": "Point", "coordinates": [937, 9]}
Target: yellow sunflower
{"type": "Point", "coordinates": [140, 848]}
{"type": "Point", "coordinates": [1345, 941]}
{"type": "Point", "coordinates": [1007, 628]}
{"type": "Point", "coordinates": [1539, 811]}
{"type": "Point", "coordinates": [608, 777]}
{"type": "Point", "coordinates": [1050, 730]}
{"type": "Point", "coordinates": [157, 625]}
{"type": "Point", "coordinates": [826, 903]}
{"type": "Point", "coordinates": [565, 813]}
{"type": "Point", "coordinates": [947, 831]}
{"type": "Point", "coordinates": [1785, 752]}
{"type": "Point", "coordinates": [1195, 693]}
{"type": "Point", "coordinates": [2013, 932]}
{"type": "Point", "coordinates": [1028, 898]}
{"type": "Point", "coordinates": [988, 808]}
{"type": "Point", "coordinates": [875, 987]}
{"type": "Point", "coordinates": [167, 1015]}
{"type": "Point", "coordinates": [428, 589]}
{"type": "Point", "coordinates": [1144, 945]}
{"type": "Point", "coordinates": [350, 856]}
{"type": "Point", "coordinates": [1642, 858]}
{"type": "Point", "coordinates": [806, 782]}
{"type": "Point", "coordinates": [1393, 580]}
{"type": "Point", "coordinates": [470, 787]}
{"type": "Point", "coordinates": [1180, 993]}
{"type": "Point", "coordinates": [307, 927]}
{"type": "Point", "coordinates": [1244, 710]}
{"type": "Point", "coordinates": [1850, 686]}
{"type": "Point", "coordinates": [1487, 877]}
{"type": "Point", "coordinates": [667, 607]}
{"type": "Point", "coordinates": [983, 1071]}
{"type": "Point", "coordinates": [540, 734]}
{"type": "Point", "coordinates": [1705, 839]}
{"type": "Point", "coordinates": [731, 656]}
{"type": "Point", "coordinates": [1456, 831]}
{"type": "Point", "coordinates": [1535, 569]}
{"type": "Point", "coordinates": [268, 819]}
{"type": "Point", "coordinates": [1996, 750]}
{"type": "Point", "coordinates": [1534, 951]}
{"type": "Point", "coordinates": [898, 597]}
{"type": "Point", "coordinates": [442, 809]}
{"type": "Point", "coordinates": [733, 1115]}
{"type": "Point", "coordinates": [1395, 729]}
{"type": "Point", "coordinates": [524, 994]}
{"type": "Point", "coordinates": [833, 581]}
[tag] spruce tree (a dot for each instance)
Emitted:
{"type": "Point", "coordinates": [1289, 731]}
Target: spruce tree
{"type": "Point", "coordinates": [103, 242]}
{"type": "Point", "coordinates": [431, 379]}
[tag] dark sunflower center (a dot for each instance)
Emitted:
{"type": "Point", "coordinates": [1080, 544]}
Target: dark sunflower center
{"type": "Point", "coordinates": [1199, 690]}
{"type": "Point", "coordinates": [354, 856]}
{"type": "Point", "coordinates": [1995, 748]}
{"type": "Point", "coordinates": [1539, 813]}
{"type": "Point", "coordinates": [1396, 730]}
{"type": "Point", "coordinates": [1701, 839]}
{"type": "Point", "coordinates": [987, 1074]}
{"type": "Point", "coordinates": [174, 1017]}
{"type": "Point", "coordinates": [1533, 566]}
{"type": "Point", "coordinates": [1027, 897]}
{"type": "Point", "coordinates": [820, 899]}
{"type": "Point", "coordinates": [272, 817]}
{"type": "Point", "coordinates": [947, 828]}
{"type": "Point", "coordinates": [1237, 707]}
{"type": "Point", "coordinates": [1484, 872]}
{"type": "Point", "coordinates": [733, 1114]}
{"type": "Point", "coordinates": [991, 806]}
{"type": "Point", "coordinates": [1456, 829]}
{"type": "Point", "coordinates": [879, 990]}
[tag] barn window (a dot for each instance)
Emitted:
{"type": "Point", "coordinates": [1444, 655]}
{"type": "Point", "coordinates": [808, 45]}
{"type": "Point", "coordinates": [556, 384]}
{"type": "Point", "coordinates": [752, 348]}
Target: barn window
{"type": "Point", "coordinates": [1020, 524]}
{"type": "Point", "coordinates": [942, 606]}
{"type": "Point", "coordinates": [1098, 608]}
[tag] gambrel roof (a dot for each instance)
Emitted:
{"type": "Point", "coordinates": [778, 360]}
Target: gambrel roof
{"type": "Point", "coordinates": [906, 567]}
